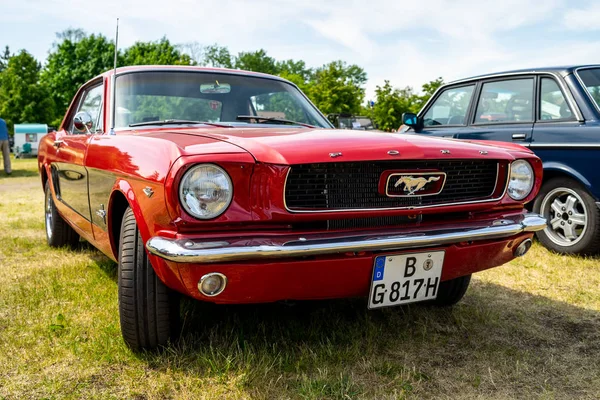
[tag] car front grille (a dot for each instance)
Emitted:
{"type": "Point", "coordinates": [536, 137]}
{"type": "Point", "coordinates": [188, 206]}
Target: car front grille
{"type": "Point", "coordinates": [355, 185]}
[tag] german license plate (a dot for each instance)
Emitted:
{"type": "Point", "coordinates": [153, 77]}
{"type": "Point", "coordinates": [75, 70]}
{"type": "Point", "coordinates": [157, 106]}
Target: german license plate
{"type": "Point", "coordinates": [405, 278]}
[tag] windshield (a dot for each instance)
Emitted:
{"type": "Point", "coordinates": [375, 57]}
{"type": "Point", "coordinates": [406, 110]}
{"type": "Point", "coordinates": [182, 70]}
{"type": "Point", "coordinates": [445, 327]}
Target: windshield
{"type": "Point", "coordinates": [591, 80]}
{"type": "Point", "coordinates": [210, 97]}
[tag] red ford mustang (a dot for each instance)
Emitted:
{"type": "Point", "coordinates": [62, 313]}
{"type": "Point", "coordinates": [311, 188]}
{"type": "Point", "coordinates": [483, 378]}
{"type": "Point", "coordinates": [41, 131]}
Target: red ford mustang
{"type": "Point", "coordinates": [231, 187]}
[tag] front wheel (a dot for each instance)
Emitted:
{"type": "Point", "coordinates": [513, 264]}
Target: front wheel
{"type": "Point", "coordinates": [573, 217]}
{"type": "Point", "coordinates": [149, 310]}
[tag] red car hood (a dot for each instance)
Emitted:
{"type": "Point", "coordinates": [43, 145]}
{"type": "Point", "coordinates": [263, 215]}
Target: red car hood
{"type": "Point", "coordinates": [304, 145]}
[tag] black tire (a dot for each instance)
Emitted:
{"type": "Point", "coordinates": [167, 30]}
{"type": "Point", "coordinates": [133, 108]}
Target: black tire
{"type": "Point", "coordinates": [554, 237]}
{"type": "Point", "coordinates": [58, 232]}
{"type": "Point", "coordinates": [149, 310]}
{"type": "Point", "coordinates": [452, 291]}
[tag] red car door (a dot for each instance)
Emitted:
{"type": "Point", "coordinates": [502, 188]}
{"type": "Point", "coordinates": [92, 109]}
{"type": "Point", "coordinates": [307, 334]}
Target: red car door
{"type": "Point", "coordinates": [69, 167]}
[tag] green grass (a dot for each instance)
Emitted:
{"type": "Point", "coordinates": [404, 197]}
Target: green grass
{"type": "Point", "coordinates": [530, 329]}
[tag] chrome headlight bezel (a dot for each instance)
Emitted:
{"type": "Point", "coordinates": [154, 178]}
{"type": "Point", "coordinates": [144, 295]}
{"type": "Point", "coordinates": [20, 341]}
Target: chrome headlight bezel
{"type": "Point", "coordinates": [521, 180]}
{"type": "Point", "coordinates": [183, 191]}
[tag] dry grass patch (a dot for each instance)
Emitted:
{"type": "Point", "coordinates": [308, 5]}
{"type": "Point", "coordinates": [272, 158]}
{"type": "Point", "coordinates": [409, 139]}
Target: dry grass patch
{"type": "Point", "coordinates": [530, 329]}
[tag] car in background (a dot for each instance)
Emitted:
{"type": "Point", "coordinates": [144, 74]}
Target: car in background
{"type": "Point", "coordinates": [553, 111]}
{"type": "Point", "coordinates": [349, 121]}
{"type": "Point", "coordinates": [231, 187]}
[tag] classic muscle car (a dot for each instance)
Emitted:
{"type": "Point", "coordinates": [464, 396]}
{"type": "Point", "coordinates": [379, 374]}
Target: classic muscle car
{"type": "Point", "coordinates": [553, 111]}
{"type": "Point", "coordinates": [231, 187]}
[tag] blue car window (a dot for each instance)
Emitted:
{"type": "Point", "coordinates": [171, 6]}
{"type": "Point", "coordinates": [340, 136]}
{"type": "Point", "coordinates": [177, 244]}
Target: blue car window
{"type": "Point", "coordinates": [450, 108]}
{"type": "Point", "coordinates": [553, 104]}
{"type": "Point", "coordinates": [505, 101]}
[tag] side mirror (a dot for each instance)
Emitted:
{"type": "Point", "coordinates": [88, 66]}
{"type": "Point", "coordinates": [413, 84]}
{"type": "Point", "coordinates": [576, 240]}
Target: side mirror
{"type": "Point", "coordinates": [83, 122]}
{"type": "Point", "coordinates": [410, 119]}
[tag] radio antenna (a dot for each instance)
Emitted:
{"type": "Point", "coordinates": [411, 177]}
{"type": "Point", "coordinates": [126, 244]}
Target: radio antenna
{"type": "Point", "coordinates": [114, 83]}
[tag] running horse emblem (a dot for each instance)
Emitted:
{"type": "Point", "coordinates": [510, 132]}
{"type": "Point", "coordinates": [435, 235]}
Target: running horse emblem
{"type": "Point", "coordinates": [413, 185]}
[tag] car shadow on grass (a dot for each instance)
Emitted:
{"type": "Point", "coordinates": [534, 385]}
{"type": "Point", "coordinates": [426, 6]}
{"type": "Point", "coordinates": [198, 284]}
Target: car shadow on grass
{"type": "Point", "coordinates": [18, 173]}
{"type": "Point", "coordinates": [494, 329]}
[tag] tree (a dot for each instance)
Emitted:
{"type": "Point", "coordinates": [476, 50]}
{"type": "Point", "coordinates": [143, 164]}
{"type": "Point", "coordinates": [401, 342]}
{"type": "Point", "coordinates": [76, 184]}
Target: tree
{"type": "Point", "coordinates": [428, 89]}
{"type": "Point", "coordinates": [217, 56]}
{"type": "Point", "coordinates": [22, 97]}
{"type": "Point", "coordinates": [194, 50]}
{"type": "Point", "coordinates": [4, 57]}
{"type": "Point", "coordinates": [389, 105]}
{"type": "Point", "coordinates": [257, 61]}
{"type": "Point", "coordinates": [73, 61]}
{"type": "Point", "coordinates": [160, 52]}
{"type": "Point", "coordinates": [338, 88]}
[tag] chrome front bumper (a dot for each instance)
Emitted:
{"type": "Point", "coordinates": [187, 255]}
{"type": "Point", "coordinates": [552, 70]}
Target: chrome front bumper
{"type": "Point", "coordinates": [287, 246]}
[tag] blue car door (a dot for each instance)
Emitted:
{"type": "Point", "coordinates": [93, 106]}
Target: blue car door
{"type": "Point", "coordinates": [503, 111]}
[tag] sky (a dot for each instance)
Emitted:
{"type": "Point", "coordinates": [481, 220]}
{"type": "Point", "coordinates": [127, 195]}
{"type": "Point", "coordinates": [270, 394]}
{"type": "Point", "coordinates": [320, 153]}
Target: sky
{"type": "Point", "coordinates": [407, 43]}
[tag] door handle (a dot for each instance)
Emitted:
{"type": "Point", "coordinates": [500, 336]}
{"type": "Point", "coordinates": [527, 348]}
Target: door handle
{"type": "Point", "coordinates": [57, 143]}
{"type": "Point", "coordinates": [519, 136]}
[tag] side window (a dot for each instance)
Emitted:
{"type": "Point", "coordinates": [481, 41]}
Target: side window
{"type": "Point", "coordinates": [553, 104]}
{"type": "Point", "coordinates": [505, 101]}
{"type": "Point", "coordinates": [450, 108]}
{"type": "Point", "coordinates": [92, 104]}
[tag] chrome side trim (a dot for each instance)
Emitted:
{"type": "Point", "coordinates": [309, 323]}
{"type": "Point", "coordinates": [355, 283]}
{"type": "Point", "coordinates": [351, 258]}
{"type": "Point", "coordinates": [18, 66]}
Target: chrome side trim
{"type": "Point", "coordinates": [403, 208]}
{"type": "Point", "coordinates": [201, 252]}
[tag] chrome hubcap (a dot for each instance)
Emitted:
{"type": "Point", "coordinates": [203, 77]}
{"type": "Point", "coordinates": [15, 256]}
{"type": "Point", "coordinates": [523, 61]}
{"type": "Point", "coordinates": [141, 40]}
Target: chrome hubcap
{"type": "Point", "coordinates": [49, 205]}
{"type": "Point", "coordinates": [567, 216]}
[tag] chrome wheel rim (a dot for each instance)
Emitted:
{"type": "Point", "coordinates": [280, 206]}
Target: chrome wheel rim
{"type": "Point", "coordinates": [48, 212]}
{"type": "Point", "coordinates": [567, 216]}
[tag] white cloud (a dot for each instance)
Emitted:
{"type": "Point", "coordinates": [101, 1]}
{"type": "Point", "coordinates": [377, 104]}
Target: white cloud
{"type": "Point", "coordinates": [583, 19]}
{"type": "Point", "coordinates": [407, 43]}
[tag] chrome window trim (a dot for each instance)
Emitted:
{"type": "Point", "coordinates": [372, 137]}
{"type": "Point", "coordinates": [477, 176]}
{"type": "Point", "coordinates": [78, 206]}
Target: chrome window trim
{"type": "Point", "coordinates": [557, 77]}
{"type": "Point", "coordinates": [404, 208]}
{"type": "Point", "coordinates": [585, 89]}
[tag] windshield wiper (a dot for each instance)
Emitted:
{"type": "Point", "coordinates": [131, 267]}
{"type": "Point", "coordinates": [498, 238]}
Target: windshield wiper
{"type": "Point", "coordinates": [179, 122]}
{"type": "Point", "coordinates": [273, 119]}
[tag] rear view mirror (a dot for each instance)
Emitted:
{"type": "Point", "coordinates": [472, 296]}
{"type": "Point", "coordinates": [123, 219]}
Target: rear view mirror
{"type": "Point", "coordinates": [215, 88]}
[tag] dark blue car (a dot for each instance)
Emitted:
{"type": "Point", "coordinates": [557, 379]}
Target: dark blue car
{"type": "Point", "coordinates": [553, 111]}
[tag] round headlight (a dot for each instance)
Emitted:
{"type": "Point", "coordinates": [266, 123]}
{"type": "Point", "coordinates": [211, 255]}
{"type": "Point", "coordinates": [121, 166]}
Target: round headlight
{"type": "Point", "coordinates": [521, 180]}
{"type": "Point", "coordinates": [205, 191]}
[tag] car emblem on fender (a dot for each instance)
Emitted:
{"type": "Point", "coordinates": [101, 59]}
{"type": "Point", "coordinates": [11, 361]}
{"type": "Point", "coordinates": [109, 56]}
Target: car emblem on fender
{"type": "Point", "coordinates": [408, 184]}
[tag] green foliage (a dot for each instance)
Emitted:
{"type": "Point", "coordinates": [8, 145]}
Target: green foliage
{"type": "Point", "coordinates": [74, 60]}
{"type": "Point", "coordinates": [160, 52]}
{"type": "Point", "coordinates": [428, 89]}
{"type": "Point", "coordinates": [4, 57]}
{"type": "Point", "coordinates": [338, 88]}
{"type": "Point", "coordinates": [22, 97]}
{"type": "Point", "coordinates": [391, 103]}
{"type": "Point", "coordinates": [217, 56]}
{"type": "Point", "coordinates": [257, 61]}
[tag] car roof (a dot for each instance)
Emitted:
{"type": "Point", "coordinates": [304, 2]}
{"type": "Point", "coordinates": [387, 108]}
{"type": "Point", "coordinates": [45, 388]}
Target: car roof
{"type": "Point", "coordinates": [560, 70]}
{"type": "Point", "coordinates": [184, 68]}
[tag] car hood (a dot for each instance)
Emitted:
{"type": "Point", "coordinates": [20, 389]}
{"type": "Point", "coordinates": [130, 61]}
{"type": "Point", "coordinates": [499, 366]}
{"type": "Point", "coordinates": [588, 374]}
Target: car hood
{"type": "Point", "coordinates": [304, 145]}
